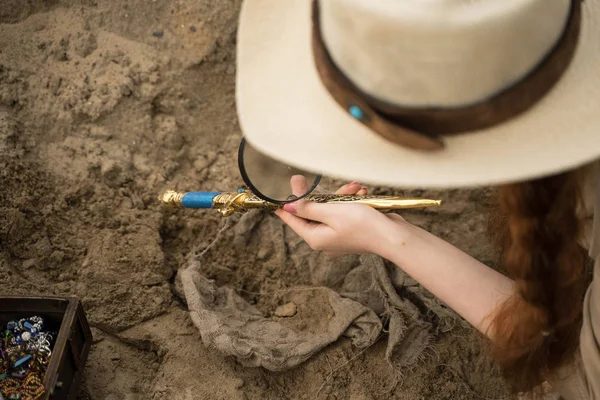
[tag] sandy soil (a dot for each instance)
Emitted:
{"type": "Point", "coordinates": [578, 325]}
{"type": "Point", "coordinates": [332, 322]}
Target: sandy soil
{"type": "Point", "coordinates": [105, 103]}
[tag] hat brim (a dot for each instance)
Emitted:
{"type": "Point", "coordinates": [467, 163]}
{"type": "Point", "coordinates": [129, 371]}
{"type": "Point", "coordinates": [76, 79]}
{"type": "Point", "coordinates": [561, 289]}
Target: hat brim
{"type": "Point", "coordinates": [286, 112]}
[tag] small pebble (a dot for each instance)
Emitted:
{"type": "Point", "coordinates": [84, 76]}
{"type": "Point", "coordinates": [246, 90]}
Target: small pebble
{"type": "Point", "coordinates": [125, 90]}
{"type": "Point", "coordinates": [238, 383]}
{"type": "Point", "coordinates": [193, 28]}
{"type": "Point", "coordinates": [158, 34]}
{"type": "Point", "coordinates": [286, 310]}
{"type": "Point", "coordinates": [263, 253]}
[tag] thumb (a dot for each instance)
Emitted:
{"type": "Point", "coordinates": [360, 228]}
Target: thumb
{"type": "Point", "coordinates": [299, 185]}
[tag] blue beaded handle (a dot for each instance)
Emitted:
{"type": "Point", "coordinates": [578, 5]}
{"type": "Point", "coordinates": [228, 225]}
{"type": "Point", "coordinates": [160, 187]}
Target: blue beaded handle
{"type": "Point", "coordinates": [199, 199]}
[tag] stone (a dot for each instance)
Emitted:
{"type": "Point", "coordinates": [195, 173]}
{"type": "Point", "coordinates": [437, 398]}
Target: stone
{"type": "Point", "coordinates": [238, 383]}
{"type": "Point", "coordinates": [263, 252]}
{"type": "Point", "coordinates": [287, 310]}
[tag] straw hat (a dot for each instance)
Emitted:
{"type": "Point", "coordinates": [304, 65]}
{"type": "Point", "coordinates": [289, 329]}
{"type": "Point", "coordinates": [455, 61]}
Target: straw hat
{"type": "Point", "coordinates": [415, 93]}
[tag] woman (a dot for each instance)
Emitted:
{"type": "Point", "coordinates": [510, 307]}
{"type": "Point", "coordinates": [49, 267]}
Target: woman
{"type": "Point", "coordinates": [448, 94]}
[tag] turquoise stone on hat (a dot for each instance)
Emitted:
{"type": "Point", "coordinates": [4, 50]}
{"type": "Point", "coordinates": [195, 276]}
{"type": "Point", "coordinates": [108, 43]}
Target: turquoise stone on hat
{"type": "Point", "coordinates": [356, 112]}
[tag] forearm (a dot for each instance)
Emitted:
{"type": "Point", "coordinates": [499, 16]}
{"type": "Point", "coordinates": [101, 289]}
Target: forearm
{"type": "Point", "coordinates": [466, 285]}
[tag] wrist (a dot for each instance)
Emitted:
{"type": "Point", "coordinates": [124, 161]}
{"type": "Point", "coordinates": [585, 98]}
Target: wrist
{"type": "Point", "coordinates": [391, 236]}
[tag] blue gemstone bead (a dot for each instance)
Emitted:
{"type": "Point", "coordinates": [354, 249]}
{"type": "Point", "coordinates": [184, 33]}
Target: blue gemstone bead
{"type": "Point", "coordinates": [28, 325]}
{"type": "Point", "coordinates": [241, 190]}
{"type": "Point", "coordinates": [22, 360]}
{"type": "Point", "coordinates": [11, 325]}
{"type": "Point", "coordinates": [356, 112]}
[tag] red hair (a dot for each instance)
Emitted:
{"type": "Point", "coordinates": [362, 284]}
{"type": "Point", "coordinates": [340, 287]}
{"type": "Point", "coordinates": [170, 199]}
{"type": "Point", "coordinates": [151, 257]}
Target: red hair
{"type": "Point", "coordinates": [537, 329]}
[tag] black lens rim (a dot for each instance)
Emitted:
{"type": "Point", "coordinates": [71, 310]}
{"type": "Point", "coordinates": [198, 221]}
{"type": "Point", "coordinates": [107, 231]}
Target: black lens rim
{"type": "Point", "coordinates": [257, 192]}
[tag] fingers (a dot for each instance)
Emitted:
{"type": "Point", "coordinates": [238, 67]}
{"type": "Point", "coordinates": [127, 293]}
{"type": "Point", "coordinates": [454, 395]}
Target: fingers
{"type": "Point", "coordinates": [353, 188]}
{"type": "Point", "coordinates": [312, 211]}
{"type": "Point", "coordinates": [395, 217]}
{"type": "Point", "coordinates": [298, 225]}
{"type": "Point", "coordinates": [350, 188]}
{"type": "Point", "coordinates": [299, 185]}
{"type": "Point", "coordinates": [315, 234]}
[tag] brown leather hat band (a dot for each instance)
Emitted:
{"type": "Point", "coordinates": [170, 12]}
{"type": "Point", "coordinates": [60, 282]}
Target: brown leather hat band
{"type": "Point", "coordinates": [423, 128]}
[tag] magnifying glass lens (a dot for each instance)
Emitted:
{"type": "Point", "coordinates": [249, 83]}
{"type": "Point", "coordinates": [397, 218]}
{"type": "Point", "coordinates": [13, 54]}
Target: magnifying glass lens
{"type": "Point", "coordinates": [271, 180]}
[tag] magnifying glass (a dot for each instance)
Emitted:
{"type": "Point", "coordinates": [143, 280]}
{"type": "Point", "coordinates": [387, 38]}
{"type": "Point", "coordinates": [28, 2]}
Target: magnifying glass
{"type": "Point", "coordinates": [269, 179]}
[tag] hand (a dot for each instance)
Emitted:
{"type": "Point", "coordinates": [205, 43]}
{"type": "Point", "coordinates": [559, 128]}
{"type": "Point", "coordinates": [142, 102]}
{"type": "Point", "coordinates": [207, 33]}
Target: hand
{"type": "Point", "coordinates": [339, 228]}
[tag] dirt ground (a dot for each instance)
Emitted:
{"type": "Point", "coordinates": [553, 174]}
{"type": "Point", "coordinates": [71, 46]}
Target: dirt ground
{"type": "Point", "coordinates": [104, 104]}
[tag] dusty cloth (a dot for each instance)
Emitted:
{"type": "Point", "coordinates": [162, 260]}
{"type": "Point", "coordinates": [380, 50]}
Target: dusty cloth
{"type": "Point", "coordinates": [409, 334]}
{"type": "Point", "coordinates": [365, 301]}
{"type": "Point", "coordinates": [582, 381]}
{"type": "Point", "coordinates": [234, 327]}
